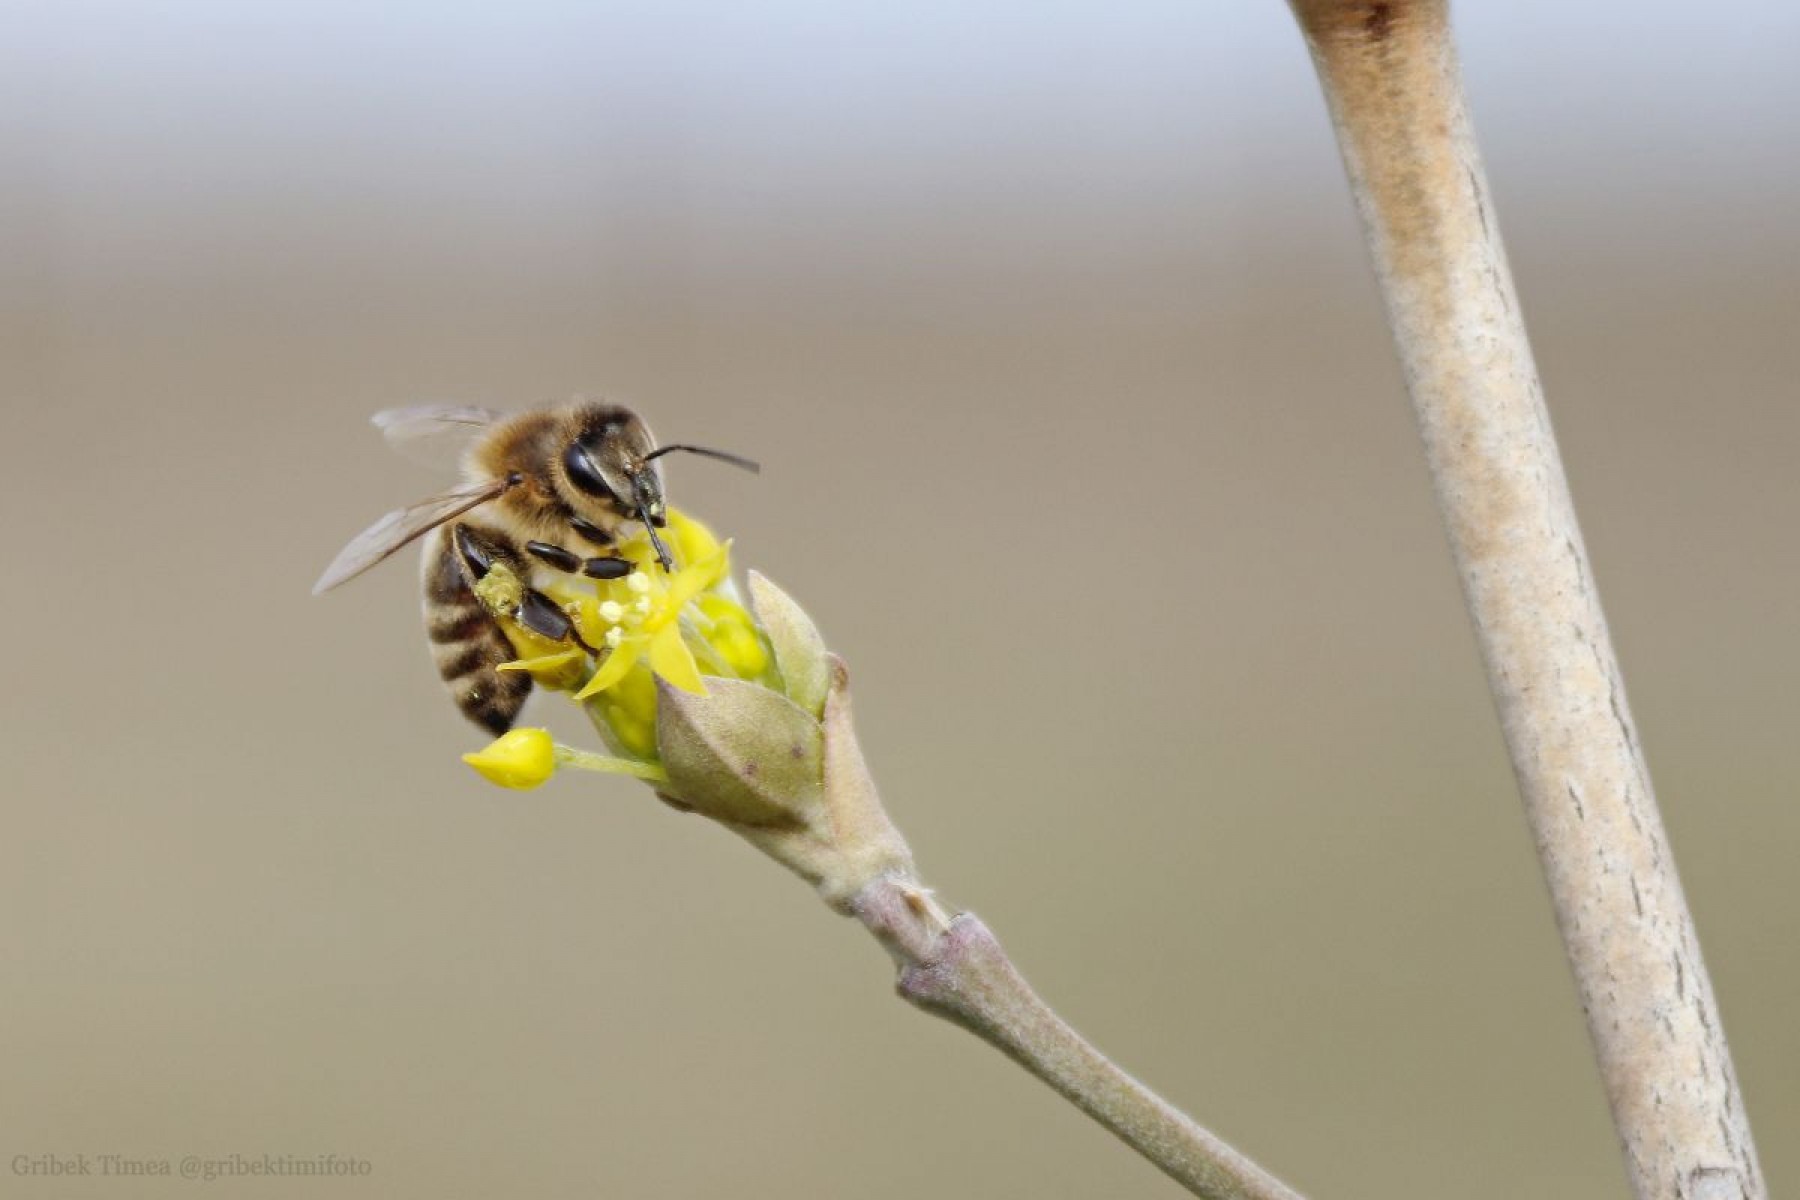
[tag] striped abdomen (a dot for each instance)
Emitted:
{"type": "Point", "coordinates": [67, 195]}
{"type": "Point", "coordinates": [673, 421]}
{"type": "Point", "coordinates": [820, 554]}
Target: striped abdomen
{"type": "Point", "coordinates": [467, 643]}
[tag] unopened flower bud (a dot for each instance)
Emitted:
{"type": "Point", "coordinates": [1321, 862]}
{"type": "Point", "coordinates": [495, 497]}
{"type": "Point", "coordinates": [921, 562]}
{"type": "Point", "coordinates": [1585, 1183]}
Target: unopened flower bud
{"type": "Point", "coordinates": [518, 758]}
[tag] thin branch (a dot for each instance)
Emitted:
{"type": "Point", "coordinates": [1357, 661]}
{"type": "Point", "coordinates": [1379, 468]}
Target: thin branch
{"type": "Point", "coordinates": [956, 969]}
{"type": "Point", "coordinates": [785, 771]}
{"type": "Point", "coordinates": [1391, 81]}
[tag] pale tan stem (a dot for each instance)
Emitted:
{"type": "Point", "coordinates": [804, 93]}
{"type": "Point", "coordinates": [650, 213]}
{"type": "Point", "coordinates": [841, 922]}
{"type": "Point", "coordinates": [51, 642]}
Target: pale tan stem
{"type": "Point", "coordinates": [796, 786]}
{"type": "Point", "coordinates": [1391, 81]}
{"type": "Point", "coordinates": [957, 969]}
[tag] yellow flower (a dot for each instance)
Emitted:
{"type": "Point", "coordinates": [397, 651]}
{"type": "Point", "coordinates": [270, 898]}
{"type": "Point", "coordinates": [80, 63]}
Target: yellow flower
{"type": "Point", "coordinates": [642, 619]}
{"type": "Point", "coordinates": [519, 758]}
{"type": "Point", "coordinates": [680, 626]}
{"type": "Point", "coordinates": [737, 713]}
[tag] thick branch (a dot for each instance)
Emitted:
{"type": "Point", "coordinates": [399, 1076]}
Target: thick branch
{"type": "Point", "coordinates": [957, 969]}
{"type": "Point", "coordinates": [1391, 81]}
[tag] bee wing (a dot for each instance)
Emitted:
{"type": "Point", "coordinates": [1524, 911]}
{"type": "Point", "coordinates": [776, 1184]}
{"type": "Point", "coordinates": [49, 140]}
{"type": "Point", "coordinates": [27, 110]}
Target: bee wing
{"type": "Point", "coordinates": [402, 525]}
{"type": "Point", "coordinates": [434, 435]}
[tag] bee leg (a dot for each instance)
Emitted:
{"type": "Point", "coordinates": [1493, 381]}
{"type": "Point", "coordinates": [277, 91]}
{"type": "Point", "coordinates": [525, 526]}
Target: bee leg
{"type": "Point", "coordinates": [590, 531]}
{"type": "Point", "coordinates": [605, 567]}
{"type": "Point", "coordinates": [480, 552]}
{"type": "Point", "coordinates": [467, 642]}
{"type": "Point", "coordinates": [563, 560]}
{"type": "Point", "coordinates": [544, 617]}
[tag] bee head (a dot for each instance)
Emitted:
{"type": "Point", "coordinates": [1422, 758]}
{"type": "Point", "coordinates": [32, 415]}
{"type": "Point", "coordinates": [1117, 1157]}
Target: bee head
{"type": "Point", "coordinates": [607, 463]}
{"type": "Point", "coordinates": [611, 463]}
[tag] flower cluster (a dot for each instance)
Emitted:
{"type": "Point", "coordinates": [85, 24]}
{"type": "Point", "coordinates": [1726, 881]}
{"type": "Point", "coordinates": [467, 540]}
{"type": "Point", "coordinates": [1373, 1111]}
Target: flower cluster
{"type": "Point", "coordinates": [679, 626]}
{"type": "Point", "coordinates": [733, 710]}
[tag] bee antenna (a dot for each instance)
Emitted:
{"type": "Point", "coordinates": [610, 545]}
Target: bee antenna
{"type": "Point", "coordinates": [736, 460]}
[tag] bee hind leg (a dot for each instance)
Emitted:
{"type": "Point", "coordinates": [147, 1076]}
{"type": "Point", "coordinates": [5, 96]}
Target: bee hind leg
{"type": "Point", "coordinates": [544, 617]}
{"type": "Point", "coordinates": [479, 552]}
{"type": "Point", "coordinates": [468, 644]}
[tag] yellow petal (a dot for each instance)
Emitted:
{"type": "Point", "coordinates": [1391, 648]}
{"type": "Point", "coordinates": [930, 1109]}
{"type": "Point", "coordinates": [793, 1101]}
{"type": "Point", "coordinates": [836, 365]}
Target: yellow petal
{"type": "Point", "coordinates": [585, 612]}
{"type": "Point", "coordinates": [689, 582]}
{"type": "Point", "coordinates": [671, 659]}
{"type": "Point", "coordinates": [640, 551]}
{"type": "Point", "coordinates": [611, 671]}
{"type": "Point", "coordinates": [694, 542]}
{"type": "Point", "coordinates": [545, 662]}
{"type": "Point", "coordinates": [562, 671]}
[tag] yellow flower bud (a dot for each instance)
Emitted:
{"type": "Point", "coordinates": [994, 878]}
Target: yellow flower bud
{"type": "Point", "coordinates": [519, 758]}
{"type": "Point", "coordinates": [629, 709]}
{"type": "Point", "coordinates": [733, 636]}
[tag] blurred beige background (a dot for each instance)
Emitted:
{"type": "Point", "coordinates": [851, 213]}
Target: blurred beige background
{"type": "Point", "coordinates": [1083, 441]}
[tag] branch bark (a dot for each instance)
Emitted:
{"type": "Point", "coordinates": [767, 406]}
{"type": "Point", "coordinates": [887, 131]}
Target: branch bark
{"type": "Point", "coordinates": [955, 968]}
{"type": "Point", "coordinates": [1393, 87]}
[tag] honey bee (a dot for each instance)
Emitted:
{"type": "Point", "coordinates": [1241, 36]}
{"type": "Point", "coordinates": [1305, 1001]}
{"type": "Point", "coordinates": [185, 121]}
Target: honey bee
{"type": "Point", "coordinates": [533, 483]}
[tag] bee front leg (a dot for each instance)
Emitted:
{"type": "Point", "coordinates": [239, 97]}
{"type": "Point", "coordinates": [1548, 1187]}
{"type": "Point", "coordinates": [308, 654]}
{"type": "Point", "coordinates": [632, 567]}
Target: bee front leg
{"type": "Point", "coordinates": [604, 567]}
{"type": "Point", "coordinates": [479, 552]}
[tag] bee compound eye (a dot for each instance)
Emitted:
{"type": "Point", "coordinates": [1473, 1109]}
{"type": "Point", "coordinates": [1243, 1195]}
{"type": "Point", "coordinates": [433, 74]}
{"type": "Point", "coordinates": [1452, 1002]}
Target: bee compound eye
{"type": "Point", "coordinates": [583, 472]}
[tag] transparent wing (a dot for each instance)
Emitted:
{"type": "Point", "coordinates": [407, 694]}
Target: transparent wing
{"type": "Point", "coordinates": [434, 435]}
{"type": "Point", "coordinates": [401, 526]}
